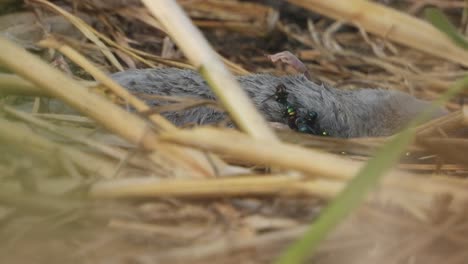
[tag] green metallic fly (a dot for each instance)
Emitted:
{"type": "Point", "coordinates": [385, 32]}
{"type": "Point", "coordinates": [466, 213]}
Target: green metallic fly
{"type": "Point", "coordinates": [301, 123]}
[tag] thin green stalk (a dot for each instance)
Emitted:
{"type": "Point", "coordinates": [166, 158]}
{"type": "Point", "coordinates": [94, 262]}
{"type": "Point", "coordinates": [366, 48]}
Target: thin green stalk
{"type": "Point", "coordinates": [356, 191]}
{"type": "Point", "coordinates": [442, 23]}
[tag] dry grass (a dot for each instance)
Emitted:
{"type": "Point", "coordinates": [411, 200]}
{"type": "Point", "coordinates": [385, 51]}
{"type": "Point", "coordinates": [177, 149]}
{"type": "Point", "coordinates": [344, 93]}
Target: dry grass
{"type": "Point", "coordinates": [108, 185]}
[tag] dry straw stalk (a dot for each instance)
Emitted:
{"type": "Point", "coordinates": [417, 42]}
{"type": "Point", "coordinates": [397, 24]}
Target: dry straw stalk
{"type": "Point", "coordinates": [12, 84]}
{"type": "Point", "coordinates": [252, 185]}
{"type": "Point", "coordinates": [312, 162]}
{"type": "Point", "coordinates": [49, 79]}
{"type": "Point", "coordinates": [112, 117]}
{"type": "Point", "coordinates": [199, 52]}
{"type": "Point", "coordinates": [19, 134]}
{"type": "Point", "coordinates": [106, 81]}
{"type": "Point", "coordinates": [260, 151]}
{"type": "Point", "coordinates": [390, 24]}
{"type": "Point", "coordinates": [110, 151]}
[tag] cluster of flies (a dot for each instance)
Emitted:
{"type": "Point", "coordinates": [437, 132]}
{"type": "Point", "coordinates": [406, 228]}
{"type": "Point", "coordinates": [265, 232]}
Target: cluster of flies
{"type": "Point", "coordinates": [300, 122]}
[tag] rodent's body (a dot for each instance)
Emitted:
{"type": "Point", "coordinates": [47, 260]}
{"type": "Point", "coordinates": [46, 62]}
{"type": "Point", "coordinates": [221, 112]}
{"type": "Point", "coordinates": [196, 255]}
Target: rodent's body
{"type": "Point", "coordinates": [342, 113]}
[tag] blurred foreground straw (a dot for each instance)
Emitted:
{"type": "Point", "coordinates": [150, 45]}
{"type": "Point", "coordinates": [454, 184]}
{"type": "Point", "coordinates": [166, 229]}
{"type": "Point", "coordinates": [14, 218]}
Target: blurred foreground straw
{"type": "Point", "coordinates": [247, 185]}
{"type": "Point", "coordinates": [17, 133]}
{"type": "Point", "coordinates": [112, 117]}
{"type": "Point", "coordinates": [12, 84]}
{"type": "Point", "coordinates": [298, 158]}
{"type": "Point", "coordinates": [199, 52]}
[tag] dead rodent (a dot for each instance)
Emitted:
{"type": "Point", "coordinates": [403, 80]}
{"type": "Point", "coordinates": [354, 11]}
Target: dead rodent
{"type": "Point", "coordinates": [341, 113]}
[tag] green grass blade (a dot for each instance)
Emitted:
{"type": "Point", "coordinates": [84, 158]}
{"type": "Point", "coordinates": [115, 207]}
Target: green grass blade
{"type": "Point", "coordinates": [441, 22]}
{"type": "Point", "coordinates": [348, 199]}
{"type": "Point", "coordinates": [356, 191]}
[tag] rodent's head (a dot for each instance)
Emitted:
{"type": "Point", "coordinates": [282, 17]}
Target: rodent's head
{"type": "Point", "coordinates": [356, 113]}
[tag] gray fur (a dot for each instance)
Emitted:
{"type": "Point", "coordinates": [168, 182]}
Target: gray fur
{"type": "Point", "coordinates": [342, 113]}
